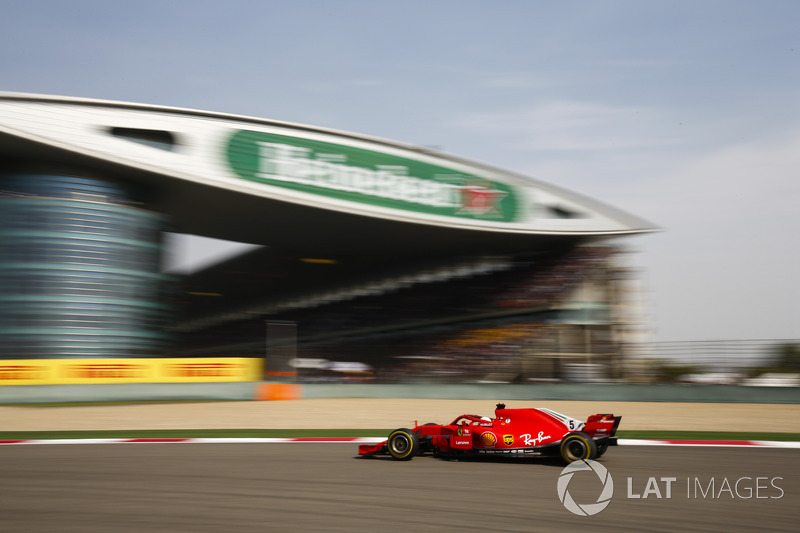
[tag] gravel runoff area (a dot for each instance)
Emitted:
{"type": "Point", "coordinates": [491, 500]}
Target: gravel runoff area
{"type": "Point", "coordinates": [386, 414]}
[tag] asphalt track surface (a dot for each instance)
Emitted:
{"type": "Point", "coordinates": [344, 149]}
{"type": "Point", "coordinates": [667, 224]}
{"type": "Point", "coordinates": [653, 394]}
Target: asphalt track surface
{"type": "Point", "coordinates": [326, 487]}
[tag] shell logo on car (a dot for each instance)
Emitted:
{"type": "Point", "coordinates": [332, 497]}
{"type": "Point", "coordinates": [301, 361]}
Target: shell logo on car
{"type": "Point", "coordinates": [489, 439]}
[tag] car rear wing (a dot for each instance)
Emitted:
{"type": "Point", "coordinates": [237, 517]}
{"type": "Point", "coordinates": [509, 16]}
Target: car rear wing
{"type": "Point", "coordinates": [604, 425]}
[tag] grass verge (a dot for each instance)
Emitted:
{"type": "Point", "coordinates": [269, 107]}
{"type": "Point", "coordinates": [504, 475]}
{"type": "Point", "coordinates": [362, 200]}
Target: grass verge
{"type": "Point", "coordinates": [261, 433]}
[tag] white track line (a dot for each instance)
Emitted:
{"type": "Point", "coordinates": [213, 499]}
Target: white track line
{"type": "Point", "coordinates": [375, 440]}
{"type": "Point", "coordinates": [710, 443]}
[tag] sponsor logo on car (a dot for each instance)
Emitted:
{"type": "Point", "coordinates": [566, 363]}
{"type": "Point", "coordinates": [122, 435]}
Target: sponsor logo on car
{"type": "Point", "coordinates": [508, 440]}
{"type": "Point", "coordinates": [489, 439]}
{"type": "Point", "coordinates": [515, 451]}
{"type": "Point", "coordinates": [530, 440]}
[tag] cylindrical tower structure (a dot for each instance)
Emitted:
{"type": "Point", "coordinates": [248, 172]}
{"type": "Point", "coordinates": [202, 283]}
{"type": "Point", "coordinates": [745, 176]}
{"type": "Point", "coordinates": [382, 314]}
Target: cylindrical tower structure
{"type": "Point", "coordinates": [79, 271]}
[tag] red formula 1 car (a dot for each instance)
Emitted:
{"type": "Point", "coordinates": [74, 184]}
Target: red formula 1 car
{"type": "Point", "coordinates": [512, 432]}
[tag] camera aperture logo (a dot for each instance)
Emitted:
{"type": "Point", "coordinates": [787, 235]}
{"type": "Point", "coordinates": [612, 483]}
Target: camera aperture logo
{"type": "Point", "coordinates": [585, 509]}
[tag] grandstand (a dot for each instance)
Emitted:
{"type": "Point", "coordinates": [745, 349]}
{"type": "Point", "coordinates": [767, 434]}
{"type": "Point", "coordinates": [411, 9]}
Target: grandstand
{"type": "Point", "coordinates": [510, 318]}
{"type": "Point", "coordinates": [388, 261]}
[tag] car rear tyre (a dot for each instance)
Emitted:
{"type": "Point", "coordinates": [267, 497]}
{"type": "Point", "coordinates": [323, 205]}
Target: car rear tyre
{"type": "Point", "coordinates": [403, 444]}
{"type": "Point", "coordinates": [578, 446]}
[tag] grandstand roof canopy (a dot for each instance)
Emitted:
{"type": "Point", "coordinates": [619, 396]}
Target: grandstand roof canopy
{"type": "Point", "coordinates": [298, 187]}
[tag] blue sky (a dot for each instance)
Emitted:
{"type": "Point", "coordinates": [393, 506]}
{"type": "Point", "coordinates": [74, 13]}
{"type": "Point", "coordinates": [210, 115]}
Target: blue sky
{"type": "Point", "coordinates": [686, 113]}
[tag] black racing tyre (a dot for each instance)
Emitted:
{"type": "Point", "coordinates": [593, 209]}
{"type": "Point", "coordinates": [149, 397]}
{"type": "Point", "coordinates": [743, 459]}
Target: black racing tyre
{"type": "Point", "coordinates": [403, 444]}
{"type": "Point", "coordinates": [578, 446]}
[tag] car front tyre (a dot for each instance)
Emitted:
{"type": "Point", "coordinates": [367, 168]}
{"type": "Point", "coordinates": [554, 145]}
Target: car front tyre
{"type": "Point", "coordinates": [403, 444]}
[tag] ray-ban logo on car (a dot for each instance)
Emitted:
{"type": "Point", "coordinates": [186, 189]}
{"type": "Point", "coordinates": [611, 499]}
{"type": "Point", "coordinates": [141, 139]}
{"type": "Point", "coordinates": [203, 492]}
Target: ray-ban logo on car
{"type": "Point", "coordinates": [585, 509]}
{"type": "Point", "coordinates": [534, 441]}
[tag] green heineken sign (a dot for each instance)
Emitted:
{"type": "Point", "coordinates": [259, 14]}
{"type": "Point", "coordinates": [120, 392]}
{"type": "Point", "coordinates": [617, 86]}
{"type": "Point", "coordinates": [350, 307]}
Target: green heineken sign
{"type": "Point", "coordinates": [367, 177]}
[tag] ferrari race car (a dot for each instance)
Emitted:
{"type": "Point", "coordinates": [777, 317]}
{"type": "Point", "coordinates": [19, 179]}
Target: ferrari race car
{"type": "Point", "coordinates": [512, 432]}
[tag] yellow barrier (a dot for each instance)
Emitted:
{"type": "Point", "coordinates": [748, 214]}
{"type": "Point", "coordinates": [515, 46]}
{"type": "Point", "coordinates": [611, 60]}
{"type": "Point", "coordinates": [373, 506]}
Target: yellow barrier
{"type": "Point", "coordinates": [173, 370]}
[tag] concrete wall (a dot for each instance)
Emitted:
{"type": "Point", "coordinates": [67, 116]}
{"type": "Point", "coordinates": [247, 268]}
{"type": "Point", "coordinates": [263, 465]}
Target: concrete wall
{"type": "Point", "coordinates": [246, 391]}
{"type": "Point", "coordinates": [638, 393]}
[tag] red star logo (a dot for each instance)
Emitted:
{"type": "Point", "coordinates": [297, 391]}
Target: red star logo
{"type": "Point", "coordinates": [478, 200]}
